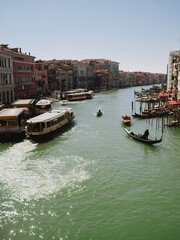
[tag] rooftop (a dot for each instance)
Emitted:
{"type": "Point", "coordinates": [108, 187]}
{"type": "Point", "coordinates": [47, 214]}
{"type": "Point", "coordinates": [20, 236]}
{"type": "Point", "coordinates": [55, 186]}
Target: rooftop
{"type": "Point", "coordinates": [48, 115]}
{"type": "Point", "coordinates": [11, 112]}
{"type": "Point", "coordinates": [24, 102]}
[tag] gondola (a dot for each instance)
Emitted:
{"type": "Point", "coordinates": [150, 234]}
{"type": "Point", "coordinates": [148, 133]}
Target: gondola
{"type": "Point", "coordinates": [139, 138]}
{"type": "Point", "coordinates": [151, 114]}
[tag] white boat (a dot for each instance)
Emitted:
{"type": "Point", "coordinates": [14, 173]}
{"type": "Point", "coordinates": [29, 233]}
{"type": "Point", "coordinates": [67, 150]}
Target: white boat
{"type": "Point", "coordinates": [78, 94]}
{"type": "Point", "coordinates": [64, 102]}
{"type": "Point", "coordinates": [43, 106]}
{"type": "Point", "coordinates": [49, 122]}
{"type": "Point", "coordinates": [12, 123]}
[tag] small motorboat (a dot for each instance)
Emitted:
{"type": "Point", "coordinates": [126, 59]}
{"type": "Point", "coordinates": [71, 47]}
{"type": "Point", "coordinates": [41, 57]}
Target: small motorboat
{"type": "Point", "coordinates": [126, 119]}
{"type": "Point", "coordinates": [141, 138]}
{"type": "Point", "coordinates": [64, 102]}
{"type": "Point", "coordinates": [99, 113]}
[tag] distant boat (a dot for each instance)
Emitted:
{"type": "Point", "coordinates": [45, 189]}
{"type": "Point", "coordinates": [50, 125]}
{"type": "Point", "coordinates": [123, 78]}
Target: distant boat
{"type": "Point", "coordinates": [42, 106]}
{"type": "Point", "coordinates": [77, 95]}
{"type": "Point", "coordinates": [126, 119]}
{"type": "Point", "coordinates": [141, 139]}
{"type": "Point", "coordinates": [99, 113]}
{"type": "Point", "coordinates": [152, 114]}
{"type": "Point", "coordinates": [64, 102]}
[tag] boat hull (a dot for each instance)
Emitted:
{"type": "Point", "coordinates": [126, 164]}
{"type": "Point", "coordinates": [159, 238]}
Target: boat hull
{"type": "Point", "coordinates": [99, 114]}
{"type": "Point", "coordinates": [12, 137]}
{"type": "Point", "coordinates": [126, 120]}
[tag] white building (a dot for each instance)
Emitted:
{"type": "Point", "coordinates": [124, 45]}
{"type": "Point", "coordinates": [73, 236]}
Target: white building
{"type": "Point", "coordinates": [173, 84]}
{"type": "Point", "coordinates": [6, 75]}
{"type": "Point", "coordinates": [80, 76]}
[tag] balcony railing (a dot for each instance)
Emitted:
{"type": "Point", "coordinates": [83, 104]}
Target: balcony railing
{"type": "Point", "coordinates": [24, 71]}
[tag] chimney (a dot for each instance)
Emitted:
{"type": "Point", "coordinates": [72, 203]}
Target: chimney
{"type": "Point", "coordinates": [4, 46]}
{"type": "Point", "coordinates": [20, 50]}
{"type": "Point", "coordinates": [29, 54]}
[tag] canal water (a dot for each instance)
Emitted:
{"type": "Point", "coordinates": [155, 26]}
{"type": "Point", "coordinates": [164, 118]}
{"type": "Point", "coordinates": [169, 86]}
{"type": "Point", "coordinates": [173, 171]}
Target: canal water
{"type": "Point", "coordinates": [93, 181]}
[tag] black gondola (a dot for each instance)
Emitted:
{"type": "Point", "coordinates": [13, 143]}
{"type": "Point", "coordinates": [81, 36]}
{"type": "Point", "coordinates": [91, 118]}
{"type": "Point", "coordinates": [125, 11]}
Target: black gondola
{"type": "Point", "coordinates": [139, 138]}
{"type": "Point", "coordinates": [151, 115]}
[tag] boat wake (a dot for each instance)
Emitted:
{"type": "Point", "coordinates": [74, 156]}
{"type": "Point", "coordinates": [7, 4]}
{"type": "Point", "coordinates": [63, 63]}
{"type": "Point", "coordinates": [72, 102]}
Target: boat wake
{"type": "Point", "coordinates": [29, 174]}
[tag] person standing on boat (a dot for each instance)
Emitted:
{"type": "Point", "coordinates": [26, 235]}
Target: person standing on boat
{"type": "Point", "coordinates": [146, 134]}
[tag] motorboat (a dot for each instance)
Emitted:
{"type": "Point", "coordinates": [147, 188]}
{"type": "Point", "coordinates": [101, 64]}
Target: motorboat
{"type": "Point", "coordinates": [99, 113]}
{"type": "Point", "coordinates": [64, 102]}
{"type": "Point", "coordinates": [126, 119]}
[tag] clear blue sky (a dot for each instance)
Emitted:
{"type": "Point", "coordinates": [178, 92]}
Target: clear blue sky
{"type": "Point", "coordinates": [136, 33]}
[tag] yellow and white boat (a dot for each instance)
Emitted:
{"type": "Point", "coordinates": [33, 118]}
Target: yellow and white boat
{"type": "Point", "coordinates": [12, 123]}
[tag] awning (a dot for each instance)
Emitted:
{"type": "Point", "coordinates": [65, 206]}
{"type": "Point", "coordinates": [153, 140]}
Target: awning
{"type": "Point", "coordinates": [172, 103]}
{"type": "Point", "coordinates": [162, 94]}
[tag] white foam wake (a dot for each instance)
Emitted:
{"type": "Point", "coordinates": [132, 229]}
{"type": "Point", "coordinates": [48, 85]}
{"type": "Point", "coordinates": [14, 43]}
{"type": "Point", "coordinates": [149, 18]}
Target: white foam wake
{"type": "Point", "coordinates": [32, 174]}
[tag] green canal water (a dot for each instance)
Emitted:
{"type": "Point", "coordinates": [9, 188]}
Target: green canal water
{"type": "Point", "coordinates": [93, 181]}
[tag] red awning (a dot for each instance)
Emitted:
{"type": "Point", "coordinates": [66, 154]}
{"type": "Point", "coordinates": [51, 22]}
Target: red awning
{"type": "Point", "coordinates": [163, 94]}
{"type": "Point", "coordinates": [172, 103]}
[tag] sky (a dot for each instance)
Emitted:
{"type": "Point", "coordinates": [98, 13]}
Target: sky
{"type": "Point", "coordinates": [139, 34]}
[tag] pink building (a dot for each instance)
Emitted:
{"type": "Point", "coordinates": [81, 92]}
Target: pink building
{"type": "Point", "coordinates": [23, 71]}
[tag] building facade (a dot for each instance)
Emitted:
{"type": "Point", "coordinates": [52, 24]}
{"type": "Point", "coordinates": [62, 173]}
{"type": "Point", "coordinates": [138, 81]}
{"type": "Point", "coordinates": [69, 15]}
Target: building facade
{"type": "Point", "coordinates": [41, 78]}
{"type": "Point", "coordinates": [173, 84]}
{"type": "Point", "coordinates": [108, 65]}
{"type": "Point", "coordinates": [102, 80]}
{"type": "Point", "coordinates": [24, 74]}
{"type": "Point", "coordinates": [80, 76]}
{"type": "Point", "coordinates": [6, 75]}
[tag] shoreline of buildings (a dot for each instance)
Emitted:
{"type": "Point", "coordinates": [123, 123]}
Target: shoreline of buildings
{"type": "Point", "coordinates": [23, 77]}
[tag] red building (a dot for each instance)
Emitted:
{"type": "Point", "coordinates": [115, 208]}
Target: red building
{"type": "Point", "coordinates": [102, 80]}
{"type": "Point", "coordinates": [23, 71]}
{"type": "Point", "coordinates": [41, 78]}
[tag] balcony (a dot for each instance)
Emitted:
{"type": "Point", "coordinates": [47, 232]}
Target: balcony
{"type": "Point", "coordinates": [24, 71]}
{"type": "Point", "coordinates": [7, 86]}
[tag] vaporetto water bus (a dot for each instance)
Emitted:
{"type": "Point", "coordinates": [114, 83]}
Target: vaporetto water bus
{"type": "Point", "coordinates": [12, 123]}
{"type": "Point", "coordinates": [49, 122]}
{"type": "Point", "coordinates": [77, 95]}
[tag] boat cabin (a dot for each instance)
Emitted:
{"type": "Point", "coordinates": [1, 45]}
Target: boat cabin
{"type": "Point", "coordinates": [43, 106]}
{"type": "Point", "coordinates": [28, 104]}
{"type": "Point", "coordinates": [12, 122]}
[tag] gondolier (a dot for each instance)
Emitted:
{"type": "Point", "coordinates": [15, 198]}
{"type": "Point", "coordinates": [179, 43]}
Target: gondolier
{"type": "Point", "coordinates": [146, 134]}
